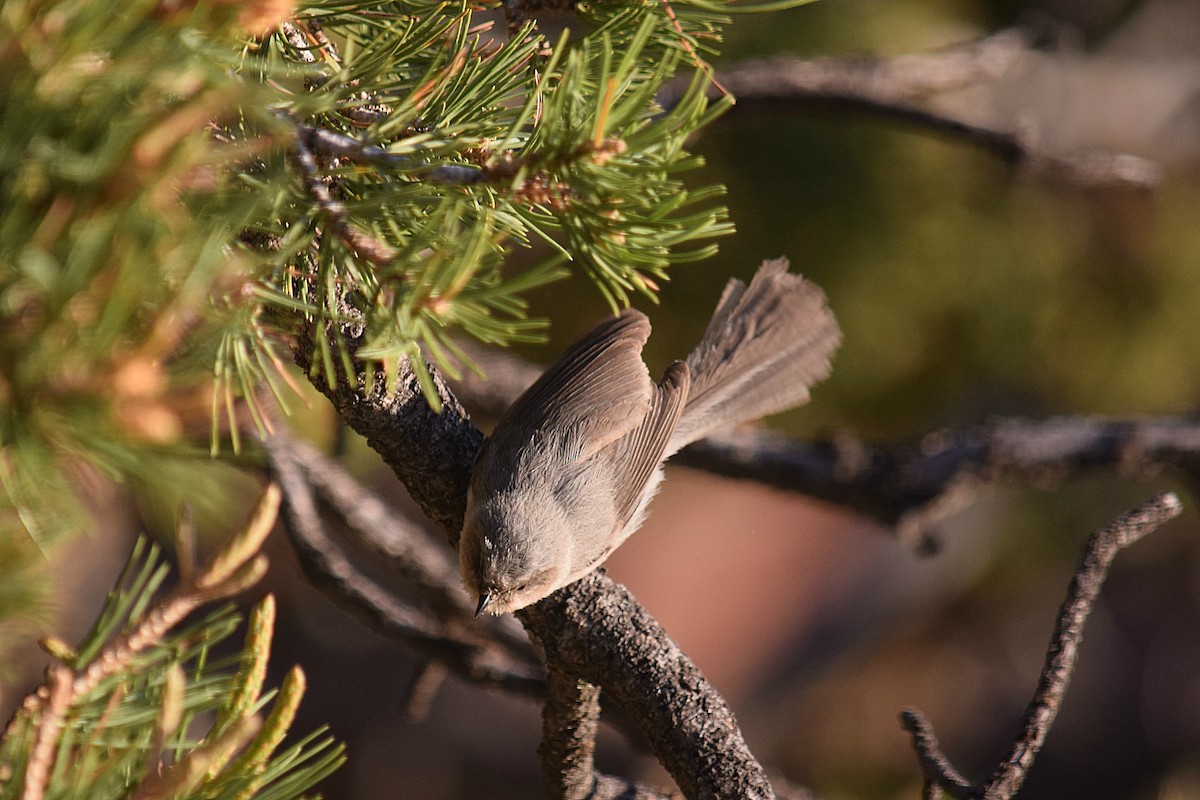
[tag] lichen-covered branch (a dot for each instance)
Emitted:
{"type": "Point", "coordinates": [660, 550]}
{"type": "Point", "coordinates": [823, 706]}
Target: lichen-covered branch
{"type": "Point", "coordinates": [596, 630]}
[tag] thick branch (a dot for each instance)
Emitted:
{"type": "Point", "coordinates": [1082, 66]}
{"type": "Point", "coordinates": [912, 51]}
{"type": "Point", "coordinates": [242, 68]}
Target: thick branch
{"type": "Point", "coordinates": [430, 452]}
{"type": "Point", "coordinates": [597, 631]}
{"type": "Point", "coordinates": [1098, 554]}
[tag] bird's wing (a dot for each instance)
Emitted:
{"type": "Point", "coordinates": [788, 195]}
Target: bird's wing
{"type": "Point", "coordinates": [597, 392]}
{"type": "Point", "coordinates": [641, 451]}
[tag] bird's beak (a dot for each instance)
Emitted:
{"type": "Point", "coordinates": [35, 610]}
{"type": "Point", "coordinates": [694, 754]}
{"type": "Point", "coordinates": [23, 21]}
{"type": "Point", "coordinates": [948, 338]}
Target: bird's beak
{"type": "Point", "coordinates": [485, 600]}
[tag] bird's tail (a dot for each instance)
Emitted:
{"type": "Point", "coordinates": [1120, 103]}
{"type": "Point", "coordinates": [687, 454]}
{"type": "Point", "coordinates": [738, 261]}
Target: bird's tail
{"type": "Point", "coordinates": [766, 344]}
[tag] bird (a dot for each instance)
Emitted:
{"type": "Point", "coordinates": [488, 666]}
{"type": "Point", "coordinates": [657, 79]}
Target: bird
{"type": "Point", "coordinates": [568, 472]}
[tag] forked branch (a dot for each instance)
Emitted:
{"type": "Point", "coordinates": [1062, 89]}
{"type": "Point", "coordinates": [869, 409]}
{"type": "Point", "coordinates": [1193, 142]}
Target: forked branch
{"type": "Point", "coordinates": [1098, 554]}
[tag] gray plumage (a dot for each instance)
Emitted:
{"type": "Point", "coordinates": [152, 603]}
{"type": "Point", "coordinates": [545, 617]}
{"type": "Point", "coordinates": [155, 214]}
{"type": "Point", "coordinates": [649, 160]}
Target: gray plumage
{"type": "Point", "coordinates": [568, 472]}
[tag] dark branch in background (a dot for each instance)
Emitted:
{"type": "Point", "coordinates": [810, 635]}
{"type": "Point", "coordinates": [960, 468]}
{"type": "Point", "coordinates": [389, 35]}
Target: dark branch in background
{"type": "Point", "coordinates": [893, 88]}
{"type": "Point", "coordinates": [593, 629]}
{"type": "Point", "coordinates": [1098, 554]}
{"type": "Point", "coordinates": [910, 484]}
{"type": "Point", "coordinates": [428, 572]}
{"type": "Point", "coordinates": [465, 649]}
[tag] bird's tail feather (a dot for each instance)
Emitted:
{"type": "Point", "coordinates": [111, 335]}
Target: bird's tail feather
{"type": "Point", "coordinates": [766, 344]}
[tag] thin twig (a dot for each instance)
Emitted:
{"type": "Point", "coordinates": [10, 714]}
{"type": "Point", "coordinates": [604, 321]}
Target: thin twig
{"type": "Point", "coordinates": [1098, 554]}
{"type": "Point", "coordinates": [938, 770]}
{"type": "Point", "coordinates": [56, 700]}
{"type": "Point", "coordinates": [344, 146]}
{"type": "Point", "coordinates": [365, 245]}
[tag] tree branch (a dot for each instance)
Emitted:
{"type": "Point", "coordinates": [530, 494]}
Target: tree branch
{"type": "Point", "coordinates": [1098, 554]}
{"type": "Point", "coordinates": [597, 631]}
{"type": "Point", "coordinates": [908, 484]}
{"type": "Point", "coordinates": [892, 89]}
{"type": "Point", "coordinates": [569, 722]}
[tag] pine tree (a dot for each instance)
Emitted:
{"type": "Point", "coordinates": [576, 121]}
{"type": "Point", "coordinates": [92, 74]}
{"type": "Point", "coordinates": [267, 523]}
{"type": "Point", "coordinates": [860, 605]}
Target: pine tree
{"type": "Point", "coordinates": [184, 186]}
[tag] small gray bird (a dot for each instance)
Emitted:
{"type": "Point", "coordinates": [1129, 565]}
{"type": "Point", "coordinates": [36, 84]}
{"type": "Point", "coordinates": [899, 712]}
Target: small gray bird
{"type": "Point", "coordinates": [570, 468]}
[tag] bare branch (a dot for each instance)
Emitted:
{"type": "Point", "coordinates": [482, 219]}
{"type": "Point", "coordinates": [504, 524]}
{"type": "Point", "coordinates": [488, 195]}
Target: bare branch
{"type": "Point", "coordinates": [1098, 554]}
{"type": "Point", "coordinates": [908, 484]}
{"type": "Point", "coordinates": [892, 89]}
{"type": "Point", "coordinates": [569, 721]}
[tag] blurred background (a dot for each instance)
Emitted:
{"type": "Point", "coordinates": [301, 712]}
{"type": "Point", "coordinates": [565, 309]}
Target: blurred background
{"type": "Point", "coordinates": [965, 292]}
